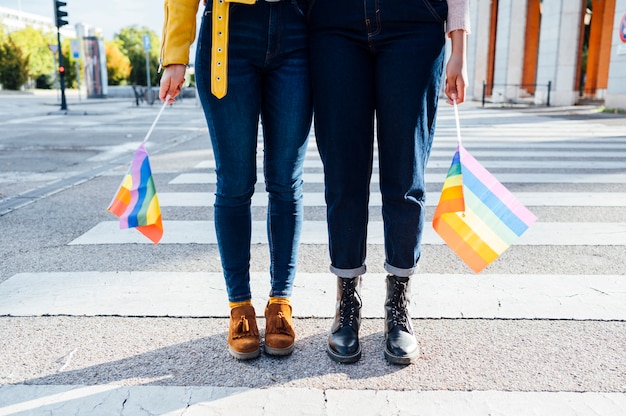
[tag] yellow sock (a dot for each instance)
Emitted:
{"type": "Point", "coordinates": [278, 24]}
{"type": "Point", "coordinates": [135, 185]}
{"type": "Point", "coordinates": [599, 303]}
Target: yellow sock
{"type": "Point", "coordinates": [234, 305]}
{"type": "Point", "coordinates": [282, 301]}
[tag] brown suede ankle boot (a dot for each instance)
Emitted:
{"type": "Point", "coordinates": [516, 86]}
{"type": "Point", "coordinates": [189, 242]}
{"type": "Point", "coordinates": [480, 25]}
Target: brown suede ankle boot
{"type": "Point", "coordinates": [243, 335]}
{"type": "Point", "coordinates": [279, 333]}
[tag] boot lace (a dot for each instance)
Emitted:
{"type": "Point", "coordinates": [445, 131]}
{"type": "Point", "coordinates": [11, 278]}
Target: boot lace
{"type": "Point", "coordinates": [399, 309]}
{"type": "Point", "coordinates": [350, 303]}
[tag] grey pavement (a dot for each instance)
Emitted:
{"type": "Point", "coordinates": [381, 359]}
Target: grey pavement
{"type": "Point", "coordinates": [97, 322]}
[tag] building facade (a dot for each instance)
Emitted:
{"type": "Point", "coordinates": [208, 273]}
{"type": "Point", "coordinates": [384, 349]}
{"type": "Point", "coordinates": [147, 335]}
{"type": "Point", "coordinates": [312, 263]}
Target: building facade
{"type": "Point", "coordinates": [14, 20]}
{"type": "Point", "coordinates": [561, 52]}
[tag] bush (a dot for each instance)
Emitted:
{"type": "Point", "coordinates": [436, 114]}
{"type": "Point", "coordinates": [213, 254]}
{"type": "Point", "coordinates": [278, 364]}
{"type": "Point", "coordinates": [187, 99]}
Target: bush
{"type": "Point", "coordinates": [13, 66]}
{"type": "Point", "coordinates": [44, 82]}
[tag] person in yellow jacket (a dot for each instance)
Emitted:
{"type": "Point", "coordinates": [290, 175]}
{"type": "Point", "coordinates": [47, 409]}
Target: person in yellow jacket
{"type": "Point", "coordinates": [251, 62]}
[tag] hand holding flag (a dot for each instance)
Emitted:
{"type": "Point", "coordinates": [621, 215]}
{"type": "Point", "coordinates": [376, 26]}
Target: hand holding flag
{"type": "Point", "coordinates": [477, 216]}
{"type": "Point", "coordinates": [136, 202]}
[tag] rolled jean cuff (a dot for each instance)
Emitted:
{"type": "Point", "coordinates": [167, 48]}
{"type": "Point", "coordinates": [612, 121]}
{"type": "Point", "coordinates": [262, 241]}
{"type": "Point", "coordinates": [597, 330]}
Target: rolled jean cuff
{"type": "Point", "coordinates": [400, 272]}
{"type": "Point", "coordinates": [280, 294]}
{"type": "Point", "coordinates": [348, 273]}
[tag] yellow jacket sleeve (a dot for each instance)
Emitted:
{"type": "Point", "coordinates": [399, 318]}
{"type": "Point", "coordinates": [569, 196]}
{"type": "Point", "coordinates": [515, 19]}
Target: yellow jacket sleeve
{"type": "Point", "coordinates": [179, 31]}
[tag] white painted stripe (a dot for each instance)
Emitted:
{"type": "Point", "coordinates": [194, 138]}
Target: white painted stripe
{"type": "Point", "coordinates": [505, 150]}
{"type": "Point", "coordinates": [186, 294]}
{"type": "Point", "coordinates": [282, 401]}
{"type": "Point", "coordinates": [30, 120]}
{"type": "Point", "coordinates": [111, 152]}
{"type": "Point", "coordinates": [519, 150]}
{"type": "Point", "coordinates": [513, 147]}
{"type": "Point", "coordinates": [538, 164]}
{"type": "Point", "coordinates": [203, 178]}
{"type": "Point", "coordinates": [522, 134]}
{"type": "Point", "coordinates": [312, 199]}
{"type": "Point", "coordinates": [22, 177]}
{"type": "Point", "coordinates": [193, 199]}
{"type": "Point", "coordinates": [314, 232]}
{"type": "Point", "coordinates": [496, 164]}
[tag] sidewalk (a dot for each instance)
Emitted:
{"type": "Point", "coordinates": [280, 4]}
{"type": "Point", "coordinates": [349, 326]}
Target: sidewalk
{"type": "Point", "coordinates": [106, 400]}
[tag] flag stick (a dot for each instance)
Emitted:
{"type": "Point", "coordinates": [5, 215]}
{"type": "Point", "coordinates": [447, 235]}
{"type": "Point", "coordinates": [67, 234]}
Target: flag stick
{"type": "Point", "coordinates": [458, 124]}
{"type": "Point", "coordinates": [156, 119]}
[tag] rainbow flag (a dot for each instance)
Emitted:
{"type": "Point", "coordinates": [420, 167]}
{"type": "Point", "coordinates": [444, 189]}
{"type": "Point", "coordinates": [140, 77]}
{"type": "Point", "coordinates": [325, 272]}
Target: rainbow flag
{"type": "Point", "coordinates": [136, 203]}
{"type": "Point", "coordinates": [477, 216]}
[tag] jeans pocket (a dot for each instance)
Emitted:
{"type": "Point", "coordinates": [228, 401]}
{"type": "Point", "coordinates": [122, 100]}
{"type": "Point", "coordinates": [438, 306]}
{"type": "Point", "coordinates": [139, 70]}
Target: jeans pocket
{"type": "Point", "coordinates": [433, 9]}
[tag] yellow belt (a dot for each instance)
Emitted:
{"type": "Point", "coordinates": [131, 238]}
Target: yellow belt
{"type": "Point", "coordinates": [219, 50]}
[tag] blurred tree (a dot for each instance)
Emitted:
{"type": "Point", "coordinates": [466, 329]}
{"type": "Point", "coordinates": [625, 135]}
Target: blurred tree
{"type": "Point", "coordinates": [118, 64]}
{"type": "Point", "coordinates": [13, 66]}
{"type": "Point", "coordinates": [130, 40]}
{"type": "Point", "coordinates": [34, 45]}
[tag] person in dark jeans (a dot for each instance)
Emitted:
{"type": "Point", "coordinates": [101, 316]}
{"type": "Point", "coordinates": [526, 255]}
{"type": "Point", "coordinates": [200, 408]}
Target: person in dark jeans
{"type": "Point", "coordinates": [383, 61]}
{"type": "Point", "coordinates": [252, 61]}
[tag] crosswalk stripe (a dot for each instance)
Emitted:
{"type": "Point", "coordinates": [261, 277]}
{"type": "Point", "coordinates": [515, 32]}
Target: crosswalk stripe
{"type": "Point", "coordinates": [314, 232]}
{"type": "Point", "coordinates": [444, 162]}
{"type": "Point", "coordinates": [312, 199]}
{"type": "Point", "coordinates": [509, 151]}
{"type": "Point", "coordinates": [280, 401]}
{"type": "Point", "coordinates": [527, 160]}
{"type": "Point", "coordinates": [196, 294]}
{"type": "Point", "coordinates": [506, 178]}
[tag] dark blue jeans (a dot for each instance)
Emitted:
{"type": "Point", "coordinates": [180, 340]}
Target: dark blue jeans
{"type": "Point", "coordinates": [383, 60]}
{"type": "Point", "coordinates": [268, 76]}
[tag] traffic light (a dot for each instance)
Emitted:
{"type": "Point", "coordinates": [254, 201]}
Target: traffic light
{"type": "Point", "coordinates": [60, 14]}
{"type": "Point", "coordinates": [60, 17]}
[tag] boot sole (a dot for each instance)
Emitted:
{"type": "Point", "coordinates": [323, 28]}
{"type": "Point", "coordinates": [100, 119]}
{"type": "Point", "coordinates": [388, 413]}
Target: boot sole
{"type": "Point", "coordinates": [402, 359]}
{"type": "Point", "coordinates": [278, 351]}
{"type": "Point", "coordinates": [244, 355]}
{"type": "Point", "coordinates": [344, 359]}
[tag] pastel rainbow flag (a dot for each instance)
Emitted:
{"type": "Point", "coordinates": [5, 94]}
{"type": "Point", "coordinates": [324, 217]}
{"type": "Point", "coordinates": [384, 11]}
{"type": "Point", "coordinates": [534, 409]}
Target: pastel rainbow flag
{"type": "Point", "coordinates": [136, 203]}
{"type": "Point", "coordinates": [477, 216]}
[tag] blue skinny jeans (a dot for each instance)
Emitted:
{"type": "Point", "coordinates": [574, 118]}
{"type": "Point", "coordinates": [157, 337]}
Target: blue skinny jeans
{"type": "Point", "coordinates": [268, 78]}
{"type": "Point", "coordinates": [375, 60]}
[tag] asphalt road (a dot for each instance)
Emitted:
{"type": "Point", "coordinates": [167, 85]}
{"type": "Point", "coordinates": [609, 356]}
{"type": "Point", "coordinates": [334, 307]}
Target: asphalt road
{"type": "Point", "coordinates": [59, 171]}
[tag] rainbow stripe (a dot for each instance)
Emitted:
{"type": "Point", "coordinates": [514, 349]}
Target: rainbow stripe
{"type": "Point", "coordinates": [136, 203]}
{"type": "Point", "coordinates": [477, 216]}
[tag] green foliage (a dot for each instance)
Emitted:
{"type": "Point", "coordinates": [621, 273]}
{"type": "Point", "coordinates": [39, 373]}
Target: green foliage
{"type": "Point", "coordinates": [130, 40]}
{"type": "Point", "coordinates": [45, 82]}
{"type": "Point", "coordinates": [13, 66]}
{"type": "Point", "coordinates": [3, 34]}
{"type": "Point", "coordinates": [25, 54]}
{"type": "Point", "coordinates": [34, 45]}
{"type": "Point", "coordinates": [118, 64]}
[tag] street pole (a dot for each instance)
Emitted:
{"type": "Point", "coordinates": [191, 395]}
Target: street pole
{"type": "Point", "coordinates": [148, 77]}
{"type": "Point", "coordinates": [56, 76]}
{"type": "Point", "coordinates": [78, 79]}
{"type": "Point", "coordinates": [146, 48]}
{"type": "Point", "coordinates": [61, 73]}
{"type": "Point", "coordinates": [75, 52]}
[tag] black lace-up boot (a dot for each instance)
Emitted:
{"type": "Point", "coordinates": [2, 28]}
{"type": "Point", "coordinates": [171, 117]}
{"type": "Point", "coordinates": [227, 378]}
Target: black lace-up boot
{"type": "Point", "coordinates": [401, 347]}
{"type": "Point", "coordinates": [343, 341]}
